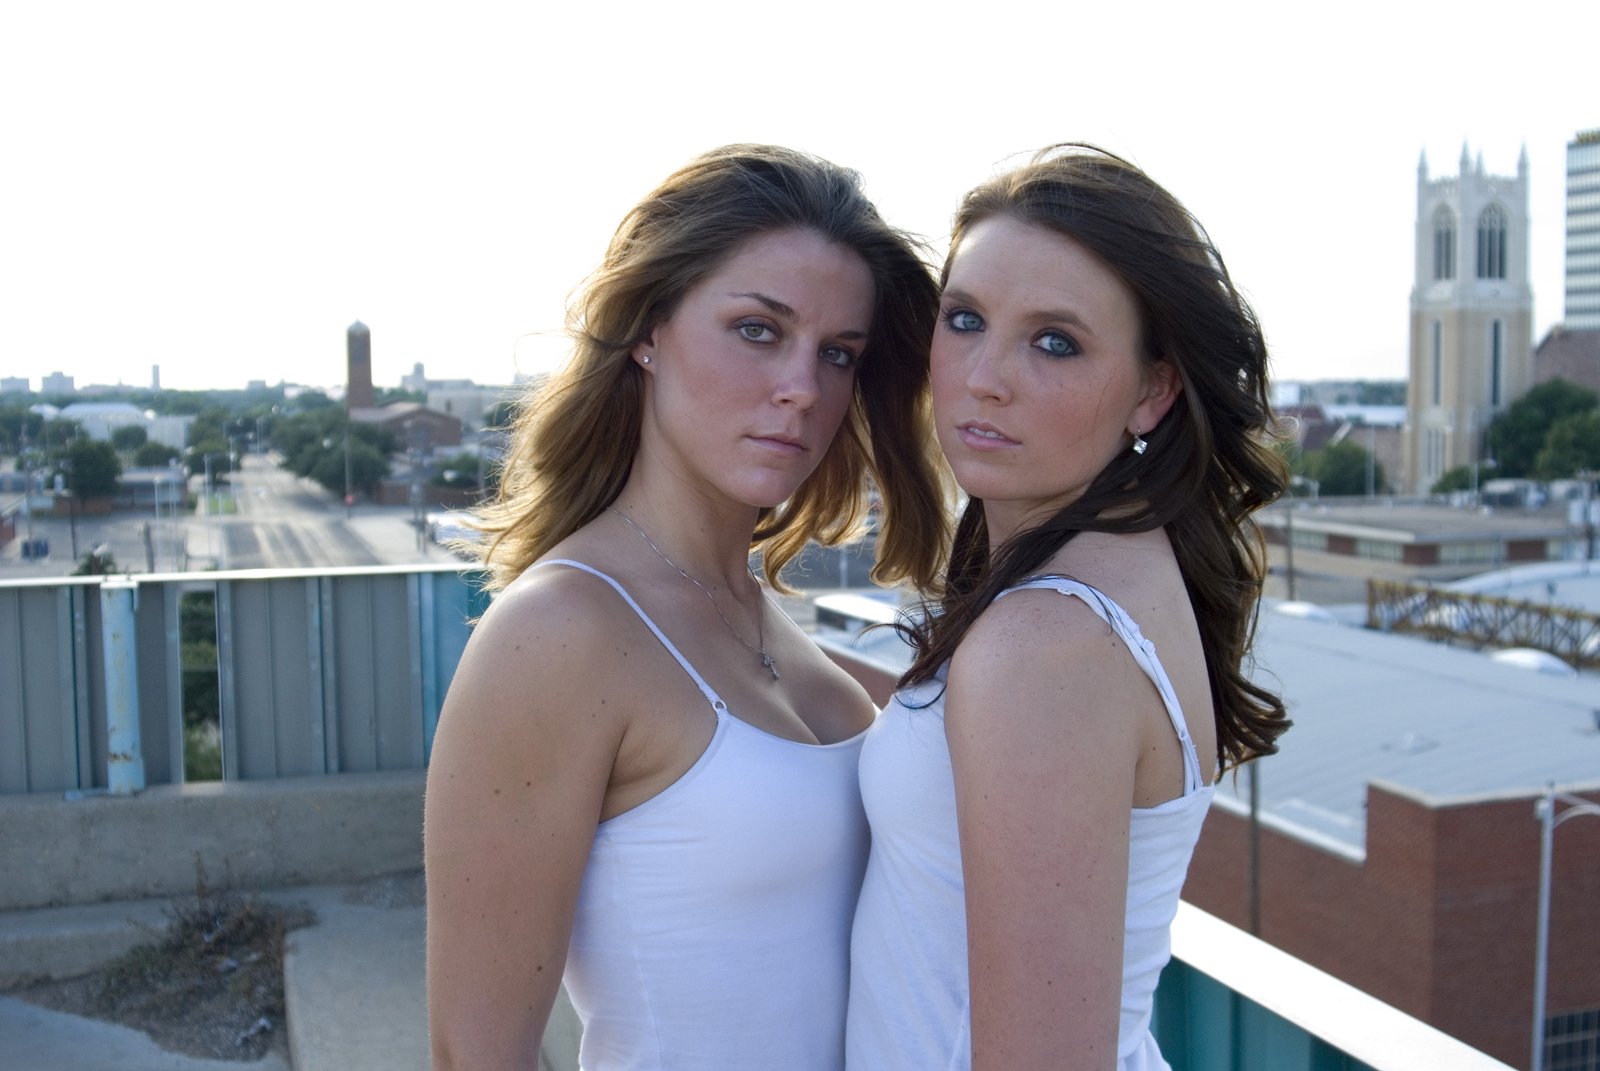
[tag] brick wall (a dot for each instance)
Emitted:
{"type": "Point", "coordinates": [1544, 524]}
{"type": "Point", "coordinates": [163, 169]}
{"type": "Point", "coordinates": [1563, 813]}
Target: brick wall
{"type": "Point", "coordinates": [1439, 920]}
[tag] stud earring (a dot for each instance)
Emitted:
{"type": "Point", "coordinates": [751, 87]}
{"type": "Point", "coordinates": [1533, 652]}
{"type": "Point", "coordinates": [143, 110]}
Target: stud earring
{"type": "Point", "coordinates": [645, 359]}
{"type": "Point", "coordinates": [1139, 444]}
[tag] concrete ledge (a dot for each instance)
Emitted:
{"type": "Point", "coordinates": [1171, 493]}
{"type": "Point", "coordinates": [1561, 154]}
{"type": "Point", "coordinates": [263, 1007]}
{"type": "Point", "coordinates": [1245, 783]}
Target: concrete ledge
{"type": "Point", "coordinates": [334, 829]}
{"type": "Point", "coordinates": [65, 942]}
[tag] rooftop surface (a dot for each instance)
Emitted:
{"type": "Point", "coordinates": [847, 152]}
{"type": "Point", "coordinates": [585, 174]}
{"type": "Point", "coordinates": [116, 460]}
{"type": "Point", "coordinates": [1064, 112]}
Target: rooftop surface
{"type": "Point", "coordinates": [1426, 520]}
{"type": "Point", "coordinates": [1445, 722]}
{"type": "Point", "coordinates": [1572, 585]}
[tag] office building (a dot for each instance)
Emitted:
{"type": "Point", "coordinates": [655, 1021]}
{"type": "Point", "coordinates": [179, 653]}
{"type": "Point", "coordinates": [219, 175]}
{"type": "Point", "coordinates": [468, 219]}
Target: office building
{"type": "Point", "coordinates": [1583, 232]}
{"type": "Point", "coordinates": [57, 383]}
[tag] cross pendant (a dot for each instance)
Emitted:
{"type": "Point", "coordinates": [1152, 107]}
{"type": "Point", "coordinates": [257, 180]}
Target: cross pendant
{"type": "Point", "coordinates": [770, 664]}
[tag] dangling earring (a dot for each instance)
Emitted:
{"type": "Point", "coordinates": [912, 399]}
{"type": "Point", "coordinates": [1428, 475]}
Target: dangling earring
{"type": "Point", "coordinates": [1139, 444]}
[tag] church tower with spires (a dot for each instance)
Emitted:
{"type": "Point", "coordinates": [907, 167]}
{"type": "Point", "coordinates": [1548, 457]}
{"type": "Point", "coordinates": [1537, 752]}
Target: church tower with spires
{"type": "Point", "coordinates": [1471, 314]}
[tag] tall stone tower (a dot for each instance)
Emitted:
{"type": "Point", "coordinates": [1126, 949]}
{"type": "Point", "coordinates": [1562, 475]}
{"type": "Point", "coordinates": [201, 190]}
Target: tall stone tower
{"type": "Point", "coordinates": [358, 370]}
{"type": "Point", "coordinates": [1471, 314]}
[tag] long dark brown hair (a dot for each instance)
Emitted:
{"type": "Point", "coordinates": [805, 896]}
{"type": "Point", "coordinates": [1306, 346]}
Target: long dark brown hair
{"type": "Point", "coordinates": [1210, 463]}
{"type": "Point", "coordinates": [573, 446]}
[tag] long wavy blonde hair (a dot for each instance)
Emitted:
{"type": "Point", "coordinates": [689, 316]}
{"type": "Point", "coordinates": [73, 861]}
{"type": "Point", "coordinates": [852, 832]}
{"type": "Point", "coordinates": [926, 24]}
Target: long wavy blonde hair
{"type": "Point", "coordinates": [574, 442]}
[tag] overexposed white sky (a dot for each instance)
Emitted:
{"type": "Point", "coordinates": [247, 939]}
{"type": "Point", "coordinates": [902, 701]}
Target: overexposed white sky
{"type": "Point", "coordinates": [221, 188]}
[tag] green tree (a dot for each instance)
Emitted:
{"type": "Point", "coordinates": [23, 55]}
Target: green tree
{"type": "Point", "coordinates": [210, 425]}
{"type": "Point", "coordinates": [1572, 446]}
{"type": "Point", "coordinates": [97, 562]}
{"type": "Point", "coordinates": [194, 459]}
{"type": "Point", "coordinates": [19, 426]}
{"type": "Point", "coordinates": [92, 468]}
{"type": "Point", "coordinates": [458, 470]}
{"type": "Point", "coordinates": [197, 638]}
{"type": "Point", "coordinates": [1341, 469]}
{"type": "Point", "coordinates": [307, 400]}
{"type": "Point", "coordinates": [55, 434]}
{"type": "Point", "coordinates": [1456, 479]}
{"type": "Point", "coordinates": [503, 414]}
{"type": "Point", "coordinates": [1381, 392]}
{"type": "Point", "coordinates": [298, 437]}
{"type": "Point", "coordinates": [368, 467]}
{"type": "Point", "coordinates": [1517, 435]}
{"type": "Point", "coordinates": [312, 444]}
{"type": "Point", "coordinates": [129, 438]}
{"type": "Point", "coordinates": [153, 455]}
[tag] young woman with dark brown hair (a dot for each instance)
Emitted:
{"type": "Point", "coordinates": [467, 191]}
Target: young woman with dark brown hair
{"type": "Point", "coordinates": [1037, 786]}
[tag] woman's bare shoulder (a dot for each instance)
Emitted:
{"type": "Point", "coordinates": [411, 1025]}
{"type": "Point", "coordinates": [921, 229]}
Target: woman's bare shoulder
{"type": "Point", "coordinates": [541, 645]}
{"type": "Point", "coordinates": [554, 599]}
{"type": "Point", "coordinates": [1137, 571]}
{"type": "Point", "coordinates": [1031, 636]}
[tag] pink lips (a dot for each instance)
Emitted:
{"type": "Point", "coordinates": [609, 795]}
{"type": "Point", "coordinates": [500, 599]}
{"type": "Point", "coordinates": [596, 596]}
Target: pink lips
{"type": "Point", "coordinates": [981, 435]}
{"type": "Point", "coordinates": [783, 444]}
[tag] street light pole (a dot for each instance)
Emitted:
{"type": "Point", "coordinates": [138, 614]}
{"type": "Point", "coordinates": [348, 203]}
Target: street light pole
{"type": "Point", "coordinates": [214, 534]}
{"type": "Point", "coordinates": [1545, 810]}
{"type": "Point", "coordinates": [210, 503]}
{"type": "Point", "coordinates": [349, 498]}
{"type": "Point", "coordinates": [1372, 460]}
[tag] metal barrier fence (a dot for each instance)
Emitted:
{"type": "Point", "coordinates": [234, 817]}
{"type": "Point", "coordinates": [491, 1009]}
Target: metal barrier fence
{"type": "Point", "coordinates": [1484, 620]}
{"type": "Point", "coordinates": [318, 672]}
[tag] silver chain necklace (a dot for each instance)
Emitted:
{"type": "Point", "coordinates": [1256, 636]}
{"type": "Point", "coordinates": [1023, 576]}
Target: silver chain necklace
{"type": "Point", "coordinates": [759, 648]}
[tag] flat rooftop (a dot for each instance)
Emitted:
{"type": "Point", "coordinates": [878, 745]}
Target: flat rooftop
{"type": "Point", "coordinates": [1444, 722]}
{"type": "Point", "coordinates": [1427, 520]}
{"type": "Point", "coordinates": [1572, 585]}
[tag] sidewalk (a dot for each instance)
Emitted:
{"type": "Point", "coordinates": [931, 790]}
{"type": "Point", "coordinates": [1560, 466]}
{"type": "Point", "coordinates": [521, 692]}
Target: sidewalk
{"type": "Point", "coordinates": [354, 983]}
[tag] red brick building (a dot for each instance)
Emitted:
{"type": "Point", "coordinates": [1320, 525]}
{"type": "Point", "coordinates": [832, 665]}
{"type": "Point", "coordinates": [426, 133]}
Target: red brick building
{"type": "Point", "coordinates": [416, 427]}
{"type": "Point", "coordinates": [1398, 840]}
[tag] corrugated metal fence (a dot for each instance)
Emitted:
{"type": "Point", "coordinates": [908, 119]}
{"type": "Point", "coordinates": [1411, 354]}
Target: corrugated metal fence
{"type": "Point", "coordinates": [317, 671]}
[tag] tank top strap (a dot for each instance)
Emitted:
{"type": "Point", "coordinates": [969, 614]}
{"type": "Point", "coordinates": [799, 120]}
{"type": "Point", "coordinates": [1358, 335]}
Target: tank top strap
{"type": "Point", "coordinates": [706, 690]}
{"type": "Point", "coordinates": [1143, 651]}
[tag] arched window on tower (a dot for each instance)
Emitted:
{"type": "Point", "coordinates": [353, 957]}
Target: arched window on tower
{"type": "Point", "coordinates": [1444, 244]}
{"type": "Point", "coordinates": [1492, 243]}
{"type": "Point", "coordinates": [1437, 365]}
{"type": "Point", "coordinates": [1496, 372]}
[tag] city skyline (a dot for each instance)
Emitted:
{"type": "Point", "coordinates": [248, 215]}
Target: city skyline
{"type": "Point", "coordinates": [222, 197]}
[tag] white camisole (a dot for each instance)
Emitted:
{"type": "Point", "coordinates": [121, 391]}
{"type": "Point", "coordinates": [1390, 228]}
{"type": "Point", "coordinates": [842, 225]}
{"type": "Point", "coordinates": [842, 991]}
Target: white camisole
{"type": "Point", "coordinates": [909, 1001]}
{"type": "Point", "coordinates": [713, 923]}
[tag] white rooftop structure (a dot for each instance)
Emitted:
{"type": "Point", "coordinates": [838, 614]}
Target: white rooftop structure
{"type": "Point", "coordinates": [1379, 416]}
{"type": "Point", "coordinates": [1444, 722]}
{"type": "Point", "coordinates": [1574, 585]}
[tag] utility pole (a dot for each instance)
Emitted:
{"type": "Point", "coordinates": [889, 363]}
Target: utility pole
{"type": "Point", "coordinates": [1288, 547]}
{"type": "Point", "coordinates": [349, 497]}
{"type": "Point", "coordinates": [1545, 810]}
{"type": "Point", "coordinates": [1372, 460]}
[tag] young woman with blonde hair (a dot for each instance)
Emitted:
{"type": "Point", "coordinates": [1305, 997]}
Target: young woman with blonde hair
{"type": "Point", "coordinates": [644, 778]}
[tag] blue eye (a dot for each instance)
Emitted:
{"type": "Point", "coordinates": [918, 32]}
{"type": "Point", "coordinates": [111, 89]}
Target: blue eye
{"type": "Point", "coordinates": [756, 331]}
{"type": "Point", "coordinates": [963, 320]}
{"type": "Point", "coordinates": [1057, 345]}
{"type": "Point", "coordinates": [838, 356]}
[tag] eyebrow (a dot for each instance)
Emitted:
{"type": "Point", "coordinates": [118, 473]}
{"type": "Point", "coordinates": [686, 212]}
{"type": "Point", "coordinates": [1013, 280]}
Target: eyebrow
{"type": "Point", "coordinates": [1053, 315]}
{"type": "Point", "coordinates": [787, 311]}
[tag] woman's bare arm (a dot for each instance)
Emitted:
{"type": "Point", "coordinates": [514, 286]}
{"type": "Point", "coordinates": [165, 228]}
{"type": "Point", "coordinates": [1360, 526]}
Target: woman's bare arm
{"type": "Point", "coordinates": [1044, 744]}
{"type": "Point", "coordinates": [524, 752]}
